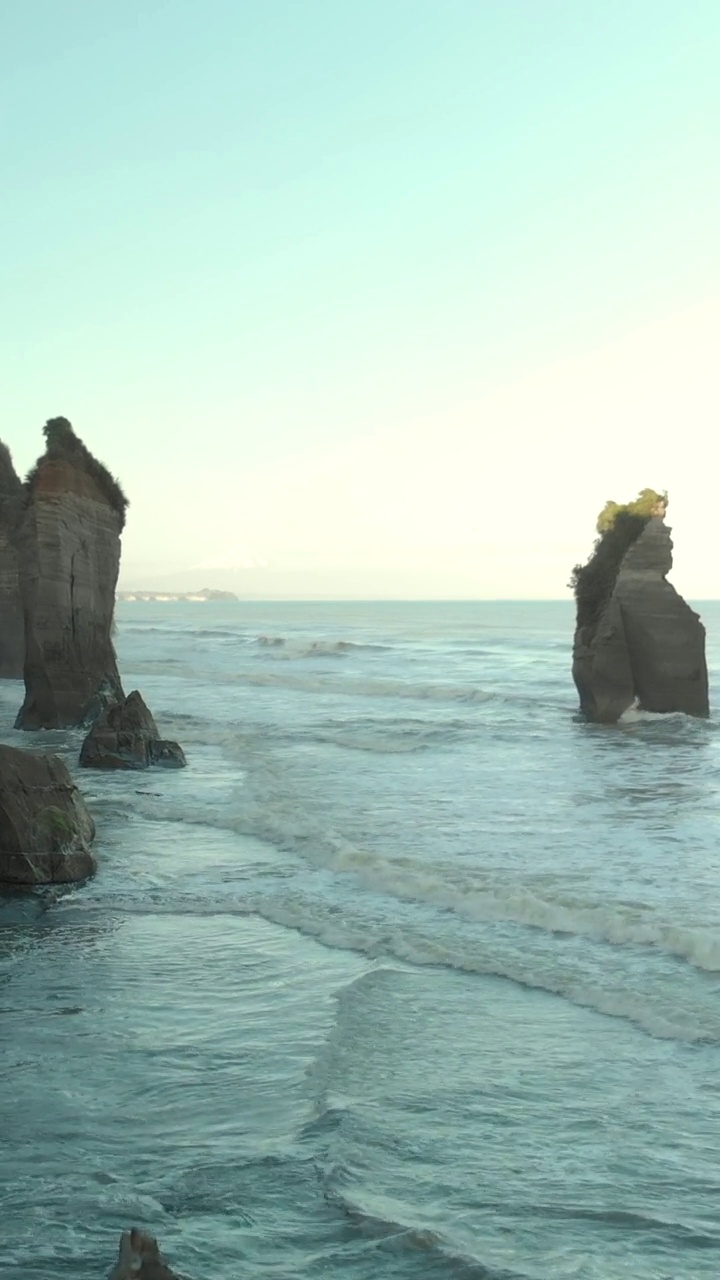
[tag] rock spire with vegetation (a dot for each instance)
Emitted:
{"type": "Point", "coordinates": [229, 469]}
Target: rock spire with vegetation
{"type": "Point", "coordinates": [62, 445]}
{"type": "Point", "coordinates": [68, 542]}
{"type": "Point", "coordinates": [637, 643]}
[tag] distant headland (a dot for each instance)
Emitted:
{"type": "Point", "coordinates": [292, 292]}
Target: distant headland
{"type": "Point", "coordinates": [170, 597]}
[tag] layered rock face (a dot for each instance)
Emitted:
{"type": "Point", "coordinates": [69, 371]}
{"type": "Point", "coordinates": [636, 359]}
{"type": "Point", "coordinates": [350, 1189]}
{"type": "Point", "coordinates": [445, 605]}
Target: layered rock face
{"type": "Point", "coordinates": [45, 827]}
{"type": "Point", "coordinates": [645, 646]}
{"type": "Point", "coordinates": [12, 629]}
{"type": "Point", "coordinates": [126, 737]}
{"type": "Point", "coordinates": [139, 1259]}
{"type": "Point", "coordinates": [68, 542]}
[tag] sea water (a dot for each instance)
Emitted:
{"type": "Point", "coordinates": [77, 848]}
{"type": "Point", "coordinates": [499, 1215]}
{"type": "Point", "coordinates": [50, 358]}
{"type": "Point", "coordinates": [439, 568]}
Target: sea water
{"type": "Point", "coordinates": [410, 973]}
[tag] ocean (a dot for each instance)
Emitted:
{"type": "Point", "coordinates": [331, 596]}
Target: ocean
{"type": "Point", "coordinates": [410, 974]}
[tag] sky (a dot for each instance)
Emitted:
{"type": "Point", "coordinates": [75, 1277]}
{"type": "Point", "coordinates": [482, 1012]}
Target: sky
{"type": "Point", "coordinates": [368, 298]}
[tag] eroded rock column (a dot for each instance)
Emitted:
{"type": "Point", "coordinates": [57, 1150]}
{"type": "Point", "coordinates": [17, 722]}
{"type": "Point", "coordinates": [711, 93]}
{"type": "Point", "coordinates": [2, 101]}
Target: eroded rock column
{"type": "Point", "coordinates": [68, 543]}
{"type": "Point", "coordinates": [646, 646]}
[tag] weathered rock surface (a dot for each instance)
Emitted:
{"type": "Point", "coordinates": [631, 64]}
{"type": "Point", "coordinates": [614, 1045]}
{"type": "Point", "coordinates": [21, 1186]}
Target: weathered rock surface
{"type": "Point", "coordinates": [127, 737]}
{"type": "Point", "coordinates": [12, 629]}
{"type": "Point", "coordinates": [139, 1259]}
{"type": "Point", "coordinates": [45, 827]}
{"type": "Point", "coordinates": [647, 646]}
{"type": "Point", "coordinates": [68, 544]}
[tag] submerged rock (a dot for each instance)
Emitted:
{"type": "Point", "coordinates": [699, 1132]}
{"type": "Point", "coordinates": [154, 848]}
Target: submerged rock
{"type": "Point", "coordinates": [636, 640]}
{"type": "Point", "coordinates": [126, 737]}
{"type": "Point", "coordinates": [68, 544]}
{"type": "Point", "coordinates": [12, 629]}
{"type": "Point", "coordinates": [139, 1259]}
{"type": "Point", "coordinates": [45, 827]}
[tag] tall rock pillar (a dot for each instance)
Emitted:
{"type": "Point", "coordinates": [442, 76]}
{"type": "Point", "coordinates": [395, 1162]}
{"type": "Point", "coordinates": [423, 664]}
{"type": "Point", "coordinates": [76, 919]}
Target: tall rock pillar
{"type": "Point", "coordinates": [68, 542]}
{"type": "Point", "coordinates": [12, 630]}
{"type": "Point", "coordinates": [636, 639]}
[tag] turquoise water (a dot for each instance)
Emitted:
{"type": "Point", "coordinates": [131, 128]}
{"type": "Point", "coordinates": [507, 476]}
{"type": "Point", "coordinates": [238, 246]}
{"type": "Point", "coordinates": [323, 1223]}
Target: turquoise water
{"type": "Point", "coordinates": [409, 974]}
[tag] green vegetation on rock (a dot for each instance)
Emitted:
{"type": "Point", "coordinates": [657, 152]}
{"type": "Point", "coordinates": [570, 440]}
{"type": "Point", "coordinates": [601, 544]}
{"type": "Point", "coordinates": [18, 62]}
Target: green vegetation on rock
{"type": "Point", "coordinates": [57, 825]}
{"type": "Point", "coordinates": [648, 503]}
{"type": "Point", "coordinates": [619, 525]}
{"type": "Point", "coordinates": [63, 443]}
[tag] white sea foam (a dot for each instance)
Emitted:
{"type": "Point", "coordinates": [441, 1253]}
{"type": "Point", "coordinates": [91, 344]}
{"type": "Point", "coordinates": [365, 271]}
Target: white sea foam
{"type": "Point", "coordinates": [368, 734]}
{"type": "Point", "coordinates": [393, 736]}
{"type": "Point", "coordinates": [292, 648]}
{"type": "Point", "coordinates": [636, 715]}
{"type": "Point", "coordinates": [653, 1010]}
{"type": "Point", "coordinates": [473, 895]}
{"type": "Point", "coordinates": [654, 1015]}
{"type": "Point", "coordinates": [442, 691]}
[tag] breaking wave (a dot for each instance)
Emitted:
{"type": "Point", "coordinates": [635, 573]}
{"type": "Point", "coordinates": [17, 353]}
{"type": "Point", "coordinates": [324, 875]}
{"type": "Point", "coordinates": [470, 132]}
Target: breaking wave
{"type": "Point", "coordinates": [373, 735]}
{"type": "Point", "coordinates": [473, 896]}
{"type": "Point", "coordinates": [366, 687]}
{"type": "Point", "coordinates": [293, 649]}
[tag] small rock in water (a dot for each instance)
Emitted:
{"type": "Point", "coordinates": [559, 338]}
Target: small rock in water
{"type": "Point", "coordinates": [126, 737]}
{"type": "Point", "coordinates": [139, 1259]}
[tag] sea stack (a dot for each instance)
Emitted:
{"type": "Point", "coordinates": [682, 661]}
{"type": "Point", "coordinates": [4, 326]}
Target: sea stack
{"type": "Point", "coordinates": [637, 643]}
{"type": "Point", "coordinates": [12, 631]}
{"type": "Point", "coordinates": [68, 542]}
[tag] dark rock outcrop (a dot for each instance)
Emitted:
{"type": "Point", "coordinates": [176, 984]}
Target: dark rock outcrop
{"type": "Point", "coordinates": [126, 737]}
{"type": "Point", "coordinates": [45, 827]}
{"type": "Point", "coordinates": [139, 1259]}
{"type": "Point", "coordinates": [68, 542]}
{"type": "Point", "coordinates": [637, 642]}
{"type": "Point", "coordinates": [12, 630]}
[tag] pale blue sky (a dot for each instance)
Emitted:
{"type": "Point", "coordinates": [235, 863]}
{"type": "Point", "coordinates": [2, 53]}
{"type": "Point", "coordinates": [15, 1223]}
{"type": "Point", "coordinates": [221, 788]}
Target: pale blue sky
{"type": "Point", "coordinates": [363, 293]}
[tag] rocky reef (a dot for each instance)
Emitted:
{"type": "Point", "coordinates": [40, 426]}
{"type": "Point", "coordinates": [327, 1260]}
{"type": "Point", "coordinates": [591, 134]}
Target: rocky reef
{"type": "Point", "coordinates": [12, 630]}
{"type": "Point", "coordinates": [68, 542]}
{"type": "Point", "coordinates": [139, 1259]}
{"type": "Point", "coordinates": [637, 643]}
{"type": "Point", "coordinates": [45, 827]}
{"type": "Point", "coordinates": [127, 737]}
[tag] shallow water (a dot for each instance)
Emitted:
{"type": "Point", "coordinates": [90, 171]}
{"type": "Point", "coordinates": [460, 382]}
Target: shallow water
{"type": "Point", "coordinates": [409, 974]}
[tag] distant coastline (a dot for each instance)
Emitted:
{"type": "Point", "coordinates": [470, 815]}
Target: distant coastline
{"type": "Point", "coordinates": [169, 597]}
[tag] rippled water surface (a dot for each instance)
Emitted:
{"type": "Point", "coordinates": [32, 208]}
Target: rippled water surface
{"type": "Point", "coordinates": [409, 974]}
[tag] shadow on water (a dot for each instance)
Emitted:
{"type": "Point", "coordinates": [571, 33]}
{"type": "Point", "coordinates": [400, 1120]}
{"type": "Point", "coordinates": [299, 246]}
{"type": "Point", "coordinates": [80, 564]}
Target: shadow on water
{"type": "Point", "coordinates": [21, 906]}
{"type": "Point", "coordinates": [647, 768]}
{"type": "Point", "coordinates": [21, 912]}
{"type": "Point", "coordinates": [27, 918]}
